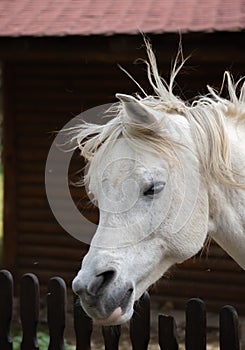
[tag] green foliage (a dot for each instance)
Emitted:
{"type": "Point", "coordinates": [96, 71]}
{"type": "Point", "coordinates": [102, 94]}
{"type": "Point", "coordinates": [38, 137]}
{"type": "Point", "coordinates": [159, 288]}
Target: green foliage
{"type": "Point", "coordinates": [16, 342]}
{"type": "Point", "coordinates": [43, 342]}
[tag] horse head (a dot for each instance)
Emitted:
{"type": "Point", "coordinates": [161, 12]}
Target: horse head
{"type": "Point", "coordinates": [153, 209]}
{"type": "Point", "coordinates": [161, 172]}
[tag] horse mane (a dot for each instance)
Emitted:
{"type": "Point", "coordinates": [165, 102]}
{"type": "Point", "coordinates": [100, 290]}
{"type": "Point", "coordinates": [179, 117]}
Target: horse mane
{"type": "Point", "coordinates": [207, 117]}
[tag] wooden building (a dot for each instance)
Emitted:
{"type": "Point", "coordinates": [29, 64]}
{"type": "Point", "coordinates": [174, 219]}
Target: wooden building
{"type": "Point", "coordinates": [58, 61]}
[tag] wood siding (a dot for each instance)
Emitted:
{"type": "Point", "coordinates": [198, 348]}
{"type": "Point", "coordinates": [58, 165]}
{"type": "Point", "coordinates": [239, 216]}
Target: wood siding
{"type": "Point", "coordinates": [40, 96]}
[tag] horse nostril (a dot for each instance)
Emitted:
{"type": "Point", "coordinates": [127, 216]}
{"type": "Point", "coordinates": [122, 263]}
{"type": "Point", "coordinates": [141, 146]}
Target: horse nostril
{"type": "Point", "coordinates": [99, 282]}
{"type": "Point", "coordinates": [108, 276]}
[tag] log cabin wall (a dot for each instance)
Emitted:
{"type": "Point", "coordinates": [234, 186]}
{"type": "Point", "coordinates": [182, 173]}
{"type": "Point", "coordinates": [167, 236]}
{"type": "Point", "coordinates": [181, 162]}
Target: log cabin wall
{"type": "Point", "coordinates": [44, 87]}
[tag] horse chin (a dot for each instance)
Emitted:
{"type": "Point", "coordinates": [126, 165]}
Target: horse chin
{"type": "Point", "coordinates": [118, 317]}
{"type": "Point", "coordinates": [121, 313]}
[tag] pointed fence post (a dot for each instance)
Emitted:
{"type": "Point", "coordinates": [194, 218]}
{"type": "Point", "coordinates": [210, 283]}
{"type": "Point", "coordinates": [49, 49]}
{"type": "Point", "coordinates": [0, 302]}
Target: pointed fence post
{"type": "Point", "coordinates": [83, 327]}
{"type": "Point", "coordinates": [29, 311]}
{"type": "Point", "coordinates": [56, 302]}
{"type": "Point", "coordinates": [140, 324]}
{"type": "Point", "coordinates": [229, 334]}
{"type": "Point", "coordinates": [167, 333]}
{"type": "Point", "coordinates": [195, 337]}
{"type": "Point", "coordinates": [6, 309]}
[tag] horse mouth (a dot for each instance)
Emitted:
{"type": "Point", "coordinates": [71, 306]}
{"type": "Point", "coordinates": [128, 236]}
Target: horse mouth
{"type": "Point", "coordinates": [121, 314]}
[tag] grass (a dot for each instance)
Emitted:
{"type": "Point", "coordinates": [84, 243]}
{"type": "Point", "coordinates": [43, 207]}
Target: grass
{"type": "Point", "coordinates": [43, 342]}
{"type": "Point", "coordinates": [42, 337]}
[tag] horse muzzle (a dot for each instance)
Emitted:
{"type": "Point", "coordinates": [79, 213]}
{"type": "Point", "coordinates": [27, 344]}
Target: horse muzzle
{"type": "Point", "coordinates": [106, 299]}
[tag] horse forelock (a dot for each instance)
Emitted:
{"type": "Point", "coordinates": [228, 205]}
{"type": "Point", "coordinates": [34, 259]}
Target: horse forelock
{"type": "Point", "coordinates": [207, 117]}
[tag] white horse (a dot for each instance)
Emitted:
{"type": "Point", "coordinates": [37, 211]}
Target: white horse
{"type": "Point", "coordinates": [165, 174]}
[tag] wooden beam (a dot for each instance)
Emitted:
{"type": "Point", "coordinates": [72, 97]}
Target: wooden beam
{"type": "Point", "coordinates": [220, 46]}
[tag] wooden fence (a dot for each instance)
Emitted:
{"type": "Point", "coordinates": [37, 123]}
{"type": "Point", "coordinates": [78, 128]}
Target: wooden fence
{"type": "Point", "coordinates": [195, 338]}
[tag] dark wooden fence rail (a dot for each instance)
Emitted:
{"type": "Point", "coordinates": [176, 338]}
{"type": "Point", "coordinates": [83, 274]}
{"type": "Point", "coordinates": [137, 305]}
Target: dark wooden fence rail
{"type": "Point", "coordinates": [195, 338]}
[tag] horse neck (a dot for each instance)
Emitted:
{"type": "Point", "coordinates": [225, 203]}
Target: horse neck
{"type": "Point", "coordinates": [227, 205]}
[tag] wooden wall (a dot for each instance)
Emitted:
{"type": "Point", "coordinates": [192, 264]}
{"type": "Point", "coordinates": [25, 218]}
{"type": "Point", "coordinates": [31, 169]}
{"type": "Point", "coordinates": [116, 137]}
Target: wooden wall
{"type": "Point", "coordinates": [40, 98]}
{"type": "Point", "coordinates": [42, 93]}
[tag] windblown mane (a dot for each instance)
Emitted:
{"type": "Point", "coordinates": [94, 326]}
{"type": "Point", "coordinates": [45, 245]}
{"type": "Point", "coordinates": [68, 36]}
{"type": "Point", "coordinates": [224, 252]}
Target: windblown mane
{"type": "Point", "coordinates": [207, 117]}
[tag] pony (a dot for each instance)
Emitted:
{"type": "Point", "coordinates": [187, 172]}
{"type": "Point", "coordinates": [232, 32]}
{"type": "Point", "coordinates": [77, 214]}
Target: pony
{"type": "Point", "coordinates": [165, 174]}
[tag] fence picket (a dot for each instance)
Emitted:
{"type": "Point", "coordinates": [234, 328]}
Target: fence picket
{"type": "Point", "coordinates": [167, 333]}
{"type": "Point", "coordinates": [83, 327]}
{"type": "Point", "coordinates": [29, 311]}
{"type": "Point", "coordinates": [229, 337]}
{"type": "Point", "coordinates": [195, 337]}
{"type": "Point", "coordinates": [6, 307]}
{"type": "Point", "coordinates": [111, 337]}
{"type": "Point", "coordinates": [56, 302]}
{"type": "Point", "coordinates": [140, 324]}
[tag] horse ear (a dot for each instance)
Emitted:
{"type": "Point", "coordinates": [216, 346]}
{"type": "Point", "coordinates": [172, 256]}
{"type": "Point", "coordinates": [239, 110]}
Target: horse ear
{"type": "Point", "coordinates": [136, 111]}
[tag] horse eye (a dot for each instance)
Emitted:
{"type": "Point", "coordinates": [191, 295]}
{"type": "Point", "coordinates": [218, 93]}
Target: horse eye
{"type": "Point", "coordinates": [154, 189]}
